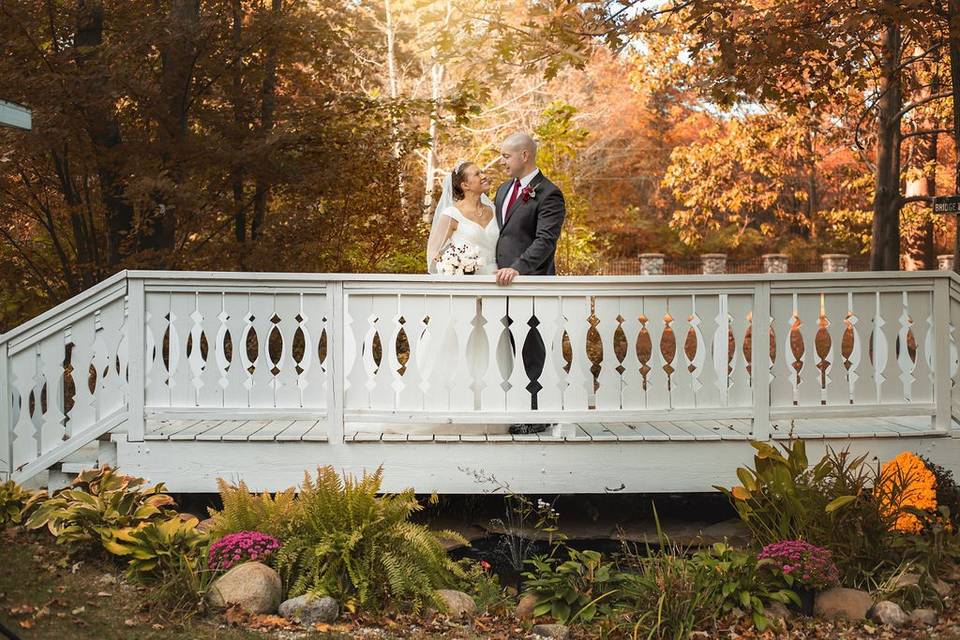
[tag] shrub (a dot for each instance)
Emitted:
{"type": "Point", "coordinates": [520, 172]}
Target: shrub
{"type": "Point", "coordinates": [168, 556]}
{"type": "Point", "coordinates": [352, 544]}
{"type": "Point", "coordinates": [16, 502]}
{"type": "Point", "coordinates": [481, 583]}
{"type": "Point", "coordinates": [802, 564]}
{"type": "Point", "coordinates": [97, 505]}
{"type": "Point", "coordinates": [905, 486]}
{"type": "Point", "coordinates": [244, 511]}
{"type": "Point", "coordinates": [948, 493]}
{"type": "Point", "coordinates": [240, 547]}
{"type": "Point", "coordinates": [575, 590]}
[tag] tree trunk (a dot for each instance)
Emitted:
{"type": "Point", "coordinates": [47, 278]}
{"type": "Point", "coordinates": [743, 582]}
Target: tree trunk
{"type": "Point", "coordinates": [885, 241]}
{"type": "Point", "coordinates": [237, 171]}
{"type": "Point", "coordinates": [103, 128]}
{"type": "Point", "coordinates": [953, 14]}
{"type": "Point", "coordinates": [394, 89]}
{"type": "Point", "coordinates": [268, 105]}
{"type": "Point", "coordinates": [178, 56]}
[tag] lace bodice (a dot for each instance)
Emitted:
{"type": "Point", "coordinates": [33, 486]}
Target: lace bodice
{"type": "Point", "coordinates": [484, 238]}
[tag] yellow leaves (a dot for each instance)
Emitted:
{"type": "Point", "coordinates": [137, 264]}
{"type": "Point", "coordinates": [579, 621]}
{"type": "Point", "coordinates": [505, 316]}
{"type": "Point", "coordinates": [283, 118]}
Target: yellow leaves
{"type": "Point", "coordinates": [740, 493]}
{"type": "Point", "coordinates": [906, 483]}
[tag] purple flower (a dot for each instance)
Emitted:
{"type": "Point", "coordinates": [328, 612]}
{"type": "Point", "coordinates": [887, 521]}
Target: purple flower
{"type": "Point", "coordinates": [799, 558]}
{"type": "Point", "coordinates": [239, 547]}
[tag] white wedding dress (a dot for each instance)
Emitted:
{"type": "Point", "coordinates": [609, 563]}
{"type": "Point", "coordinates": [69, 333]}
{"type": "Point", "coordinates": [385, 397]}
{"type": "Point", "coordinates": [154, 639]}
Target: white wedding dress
{"type": "Point", "coordinates": [484, 238]}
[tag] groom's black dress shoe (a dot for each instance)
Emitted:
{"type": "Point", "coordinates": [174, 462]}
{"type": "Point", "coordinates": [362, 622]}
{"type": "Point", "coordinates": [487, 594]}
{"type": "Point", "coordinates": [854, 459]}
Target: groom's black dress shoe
{"type": "Point", "coordinates": [526, 428]}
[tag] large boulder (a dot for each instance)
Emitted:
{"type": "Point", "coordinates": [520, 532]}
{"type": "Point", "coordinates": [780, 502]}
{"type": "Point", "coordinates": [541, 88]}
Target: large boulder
{"type": "Point", "coordinates": [555, 631]}
{"type": "Point", "coordinates": [457, 604]}
{"type": "Point", "coordinates": [842, 603]}
{"type": "Point", "coordinates": [309, 609]}
{"type": "Point", "coordinates": [252, 585]}
{"type": "Point", "coordinates": [889, 613]}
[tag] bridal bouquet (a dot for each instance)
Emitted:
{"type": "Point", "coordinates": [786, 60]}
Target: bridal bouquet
{"type": "Point", "coordinates": [459, 260]}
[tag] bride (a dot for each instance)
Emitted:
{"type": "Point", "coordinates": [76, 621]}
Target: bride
{"type": "Point", "coordinates": [464, 216]}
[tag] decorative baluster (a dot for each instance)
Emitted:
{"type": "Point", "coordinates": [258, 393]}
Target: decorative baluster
{"type": "Point", "coordinates": [212, 365]}
{"type": "Point", "coordinates": [111, 385]}
{"type": "Point", "coordinates": [380, 383]}
{"type": "Point", "coordinates": [677, 369]}
{"type": "Point", "coordinates": [232, 358]}
{"type": "Point", "coordinates": [313, 379]}
{"type": "Point", "coordinates": [656, 393]}
{"type": "Point", "coordinates": [434, 362]}
{"type": "Point", "coordinates": [493, 396]}
{"type": "Point", "coordinates": [839, 387]}
{"type": "Point", "coordinates": [460, 377]}
{"type": "Point", "coordinates": [547, 311]}
{"type": "Point", "coordinates": [157, 389]}
{"type": "Point", "coordinates": [286, 391]}
{"type": "Point", "coordinates": [739, 392]}
{"type": "Point", "coordinates": [24, 379]}
{"type": "Point", "coordinates": [83, 413]}
{"type": "Point", "coordinates": [890, 309]}
{"type": "Point", "coordinates": [409, 394]}
{"type": "Point", "coordinates": [261, 323]}
{"type": "Point", "coordinates": [863, 370]}
{"type": "Point", "coordinates": [633, 395]}
{"type": "Point", "coordinates": [809, 387]}
{"type": "Point", "coordinates": [353, 389]}
{"type": "Point", "coordinates": [50, 358]}
{"type": "Point", "coordinates": [706, 375]}
{"type": "Point", "coordinates": [579, 388]}
{"type": "Point", "coordinates": [609, 382]}
{"type": "Point", "coordinates": [782, 373]}
{"type": "Point", "coordinates": [182, 391]}
{"type": "Point", "coordinates": [920, 304]}
{"type": "Point", "coordinates": [518, 394]}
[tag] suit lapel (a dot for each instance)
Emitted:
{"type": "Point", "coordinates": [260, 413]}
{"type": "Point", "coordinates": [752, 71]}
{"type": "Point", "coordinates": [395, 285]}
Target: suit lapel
{"type": "Point", "coordinates": [520, 204]}
{"type": "Point", "coordinates": [498, 205]}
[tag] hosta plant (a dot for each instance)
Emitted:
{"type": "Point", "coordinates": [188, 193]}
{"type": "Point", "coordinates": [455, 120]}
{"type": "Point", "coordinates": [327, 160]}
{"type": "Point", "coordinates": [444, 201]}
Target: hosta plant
{"type": "Point", "coordinates": [575, 590]}
{"type": "Point", "coordinates": [97, 505]}
{"type": "Point", "coordinates": [16, 502]}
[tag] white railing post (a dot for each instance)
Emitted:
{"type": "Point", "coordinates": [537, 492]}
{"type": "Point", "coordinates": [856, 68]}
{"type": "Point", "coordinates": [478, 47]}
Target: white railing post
{"type": "Point", "coordinates": [6, 417]}
{"type": "Point", "coordinates": [335, 356]}
{"type": "Point", "coordinates": [941, 355]}
{"type": "Point", "coordinates": [760, 360]}
{"type": "Point", "coordinates": [136, 384]}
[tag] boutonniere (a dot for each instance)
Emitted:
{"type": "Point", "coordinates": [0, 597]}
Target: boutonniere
{"type": "Point", "coordinates": [528, 192]}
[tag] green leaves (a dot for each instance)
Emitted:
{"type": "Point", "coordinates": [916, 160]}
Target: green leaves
{"type": "Point", "coordinates": [575, 590]}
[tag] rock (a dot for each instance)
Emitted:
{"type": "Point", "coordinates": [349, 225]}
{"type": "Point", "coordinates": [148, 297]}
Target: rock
{"type": "Point", "coordinates": [205, 525]}
{"type": "Point", "coordinates": [252, 585]}
{"type": "Point", "coordinates": [843, 603]}
{"type": "Point", "coordinates": [889, 613]}
{"type": "Point", "coordinates": [457, 603]}
{"type": "Point", "coordinates": [906, 580]}
{"type": "Point", "coordinates": [924, 617]}
{"type": "Point", "coordinates": [557, 631]}
{"type": "Point", "coordinates": [952, 574]}
{"type": "Point", "coordinates": [310, 609]}
{"type": "Point", "coordinates": [525, 606]}
{"type": "Point", "coordinates": [942, 588]}
{"type": "Point", "coordinates": [777, 611]}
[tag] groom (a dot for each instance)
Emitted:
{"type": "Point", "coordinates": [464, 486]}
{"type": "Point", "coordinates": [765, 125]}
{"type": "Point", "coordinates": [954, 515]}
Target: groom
{"type": "Point", "coordinates": [530, 212]}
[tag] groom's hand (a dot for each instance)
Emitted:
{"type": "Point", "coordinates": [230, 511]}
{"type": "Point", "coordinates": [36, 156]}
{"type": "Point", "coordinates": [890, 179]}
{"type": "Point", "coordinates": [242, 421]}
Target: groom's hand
{"type": "Point", "coordinates": [506, 275]}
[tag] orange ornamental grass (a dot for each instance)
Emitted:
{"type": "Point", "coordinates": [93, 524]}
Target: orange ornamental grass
{"type": "Point", "coordinates": [906, 482]}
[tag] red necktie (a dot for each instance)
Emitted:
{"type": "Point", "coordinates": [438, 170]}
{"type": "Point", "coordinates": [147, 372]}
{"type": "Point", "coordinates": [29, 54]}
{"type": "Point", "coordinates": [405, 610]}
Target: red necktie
{"type": "Point", "coordinates": [513, 198]}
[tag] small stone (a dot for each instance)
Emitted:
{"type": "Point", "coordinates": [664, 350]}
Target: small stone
{"type": "Point", "coordinates": [525, 606]}
{"type": "Point", "coordinates": [942, 588]}
{"type": "Point", "coordinates": [889, 613]}
{"type": "Point", "coordinates": [777, 611]}
{"type": "Point", "coordinates": [205, 525]}
{"type": "Point", "coordinates": [842, 603]}
{"type": "Point", "coordinates": [556, 631]}
{"type": "Point", "coordinates": [924, 617]}
{"type": "Point", "coordinates": [252, 585]}
{"type": "Point", "coordinates": [457, 604]}
{"type": "Point", "coordinates": [309, 610]}
{"type": "Point", "coordinates": [906, 580]}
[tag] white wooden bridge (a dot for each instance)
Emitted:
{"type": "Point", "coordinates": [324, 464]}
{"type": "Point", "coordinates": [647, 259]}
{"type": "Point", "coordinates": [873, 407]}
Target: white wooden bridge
{"type": "Point", "coordinates": [653, 384]}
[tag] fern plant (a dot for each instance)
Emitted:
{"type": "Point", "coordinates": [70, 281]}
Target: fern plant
{"type": "Point", "coordinates": [352, 544]}
{"type": "Point", "coordinates": [245, 511]}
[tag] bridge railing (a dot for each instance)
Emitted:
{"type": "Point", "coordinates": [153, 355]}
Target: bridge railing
{"type": "Point", "coordinates": [427, 349]}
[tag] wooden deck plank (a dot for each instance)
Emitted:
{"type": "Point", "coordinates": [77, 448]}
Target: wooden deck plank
{"type": "Point", "coordinates": [317, 433]}
{"type": "Point", "coordinates": [598, 432]}
{"type": "Point", "coordinates": [273, 429]}
{"type": "Point", "coordinates": [166, 428]}
{"type": "Point", "coordinates": [220, 430]}
{"type": "Point", "coordinates": [298, 429]}
{"type": "Point", "coordinates": [697, 430]}
{"type": "Point", "coordinates": [672, 431]}
{"type": "Point", "coordinates": [191, 432]}
{"type": "Point", "coordinates": [648, 432]}
{"type": "Point", "coordinates": [245, 430]}
{"type": "Point", "coordinates": [623, 431]}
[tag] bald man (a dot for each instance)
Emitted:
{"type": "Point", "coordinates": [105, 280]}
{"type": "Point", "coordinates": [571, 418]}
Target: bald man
{"type": "Point", "coordinates": [530, 212]}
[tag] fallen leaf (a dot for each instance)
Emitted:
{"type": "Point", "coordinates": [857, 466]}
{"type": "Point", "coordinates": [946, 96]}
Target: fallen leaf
{"type": "Point", "coordinates": [130, 622]}
{"type": "Point", "coordinates": [27, 624]}
{"type": "Point", "coordinates": [104, 594]}
{"type": "Point", "coordinates": [157, 626]}
{"type": "Point", "coordinates": [78, 610]}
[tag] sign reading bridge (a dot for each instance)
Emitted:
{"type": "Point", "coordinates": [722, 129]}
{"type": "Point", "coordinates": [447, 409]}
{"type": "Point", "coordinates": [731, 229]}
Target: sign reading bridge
{"type": "Point", "coordinates": [946, 204]}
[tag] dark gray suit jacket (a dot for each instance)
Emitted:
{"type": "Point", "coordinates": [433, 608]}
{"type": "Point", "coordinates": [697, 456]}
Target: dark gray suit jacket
{"type": "Point", "coordinates": [528, 239]}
